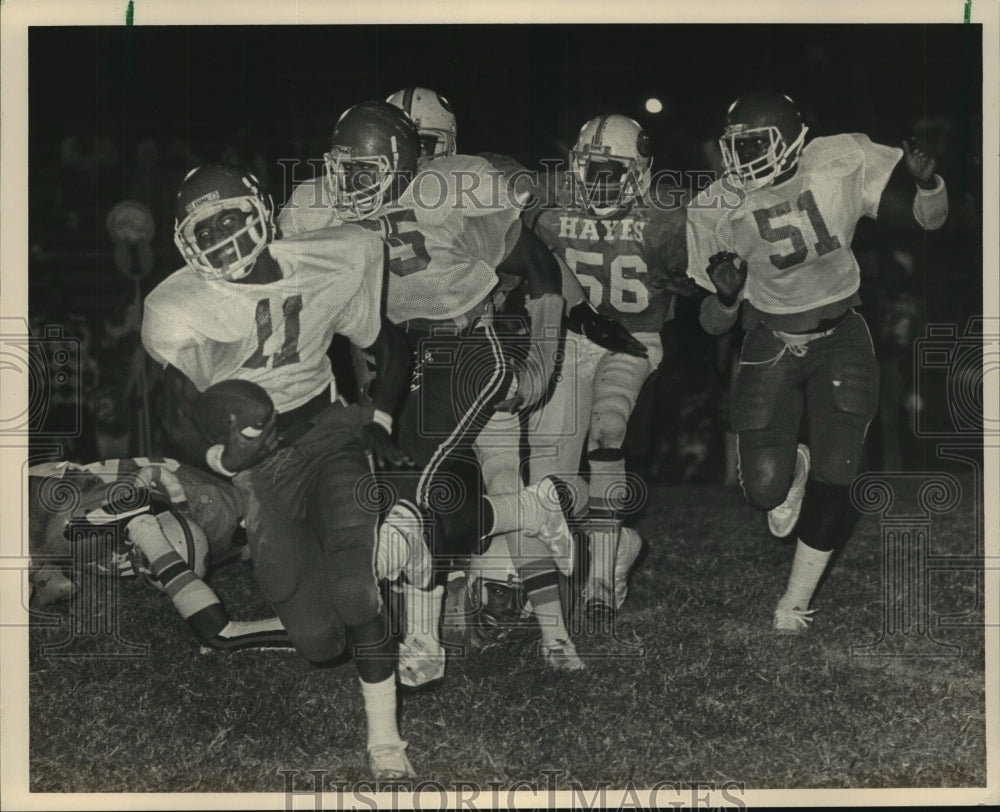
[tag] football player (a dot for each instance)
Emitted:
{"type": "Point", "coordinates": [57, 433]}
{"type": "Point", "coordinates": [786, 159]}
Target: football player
{"type": "Point", "coordinates": [102, 514]}
{"type": "Point", "coordinates": [432, 114]}
{"type": "Point", "coordinates": [774, 234]}
{"type": "Point", "coordinates": [456, 251]}
{"type": "Point", "coordinates": [251, 307]}
{"type": "Point", "coordinates": [597, 220]}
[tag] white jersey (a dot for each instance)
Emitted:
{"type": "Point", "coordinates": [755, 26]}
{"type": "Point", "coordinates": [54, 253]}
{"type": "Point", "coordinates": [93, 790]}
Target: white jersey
{"type": "Point", "coordinates": [277, 334]}
{"type": "Point", "coordinates": [795, 237]}
{"type": "Point", "coordinates": [449, 230]}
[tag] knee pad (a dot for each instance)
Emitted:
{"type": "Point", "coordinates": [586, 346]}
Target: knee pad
{"type": "Point", "coordinates": [826, 512]}
{"type": "Point", "coordinates": [765, 475]}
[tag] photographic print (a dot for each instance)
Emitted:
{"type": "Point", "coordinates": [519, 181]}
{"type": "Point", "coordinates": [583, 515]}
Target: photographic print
{"type": "Point", "coordinates": [511, 406]}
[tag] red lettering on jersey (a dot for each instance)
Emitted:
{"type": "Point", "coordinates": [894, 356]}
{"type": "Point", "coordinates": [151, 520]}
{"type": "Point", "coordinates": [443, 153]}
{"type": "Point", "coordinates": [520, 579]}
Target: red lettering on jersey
{"type": "Point", "coordinates": [589, 231]}
{"type": "Point", "coordinates": [567, 227]}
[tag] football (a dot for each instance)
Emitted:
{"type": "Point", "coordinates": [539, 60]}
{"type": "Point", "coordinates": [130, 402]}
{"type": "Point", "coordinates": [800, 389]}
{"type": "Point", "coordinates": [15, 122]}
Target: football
{"type": "Point", "coordinates": [249, 402]}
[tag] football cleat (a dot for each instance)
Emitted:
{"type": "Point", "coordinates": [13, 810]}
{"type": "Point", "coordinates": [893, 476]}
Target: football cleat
{"type": "Point", "coordinates": [402, 549]}
{"type": "Point", "coordinates": [388, 762]}
{"type": "Point", "coordinates": [791, 619]}
{"type": "Point", "coordinates": [782, 519]}
{"type": "Point", "coordinates": [561, 655]}
{"type": "Point", "coordinates": [553, 529]}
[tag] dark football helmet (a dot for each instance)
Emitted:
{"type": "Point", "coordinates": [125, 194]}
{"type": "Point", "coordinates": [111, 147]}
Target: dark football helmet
{"type": "Point", "coordinates": [372, 159]}
{"type": "Point", "coordinates": [206, 192]}
{"type": "Point", "coordinates": [611, 164]}
{"type": "Point", "coordinates": [433, 116]}
{"type": "Point", "coordinates": [762, 139]}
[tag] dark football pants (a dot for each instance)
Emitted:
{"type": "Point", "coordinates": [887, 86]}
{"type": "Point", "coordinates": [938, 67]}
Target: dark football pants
{"type": "Point", "coordinates": [835, 383]}
{"type": "Point", "coordinates": [312, 539]}
{"type": "Point", "coordinates": [459, 378]}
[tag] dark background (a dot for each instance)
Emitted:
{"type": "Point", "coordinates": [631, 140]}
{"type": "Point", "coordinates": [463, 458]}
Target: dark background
{"type": "Point", "coordinates": [118, 112]}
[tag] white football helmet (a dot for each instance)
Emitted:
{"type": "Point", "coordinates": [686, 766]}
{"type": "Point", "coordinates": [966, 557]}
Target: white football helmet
{"type": "Point", "coordinates": [432, 114]}
{"type": "Point", "coordinates": [763, 138]}
{"type": "Point", "coordinates": [611, 164]}
{"type": "Point", "coordinates": [185, 536]}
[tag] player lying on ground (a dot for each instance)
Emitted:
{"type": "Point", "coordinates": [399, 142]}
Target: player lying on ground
{"type": "Point", "coordinates": [775, 235]}
{"type": "Point", "coordinates": [98, 515]}
{"type": "Point", "coordinates": [253, 308]}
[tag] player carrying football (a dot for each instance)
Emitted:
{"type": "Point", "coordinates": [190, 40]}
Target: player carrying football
{"type": "Point", "coordinates": [249, 307]}
{"type": "Point", "coordinates": [775, 235]}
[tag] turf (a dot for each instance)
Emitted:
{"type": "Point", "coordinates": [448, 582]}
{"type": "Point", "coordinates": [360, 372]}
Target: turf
{"type": "Point", "coordinates": [691, 684]}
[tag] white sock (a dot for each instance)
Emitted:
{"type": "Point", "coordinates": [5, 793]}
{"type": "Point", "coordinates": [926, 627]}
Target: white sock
{"type": "Point", "coordinates": [807, 568]}
{"type": "Point", "coordinates": [515, 511]}
{"type": "Point", "coordinates": [380, 709]}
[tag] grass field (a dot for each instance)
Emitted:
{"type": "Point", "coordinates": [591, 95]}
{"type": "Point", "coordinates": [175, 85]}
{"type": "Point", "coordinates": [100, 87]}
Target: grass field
{"type": "Point", "coordinates": [692, 684]}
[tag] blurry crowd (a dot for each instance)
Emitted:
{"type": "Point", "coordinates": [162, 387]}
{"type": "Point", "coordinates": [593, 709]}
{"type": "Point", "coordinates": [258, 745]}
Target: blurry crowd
{"type": "Point", "coordinates": [90, 283]}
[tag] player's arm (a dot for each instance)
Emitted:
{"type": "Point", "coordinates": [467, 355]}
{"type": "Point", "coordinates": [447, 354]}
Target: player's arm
{"type": "Point", "coordinates": [236, 454]}
{"type": "Point", "coordinates": [195, 600]}
{"type": "Point", "coordinates": [914, 196]}
{"type": "Point", "coordinates": [393, 367]}
{"type": "Point", "coordinates": [531, 261]}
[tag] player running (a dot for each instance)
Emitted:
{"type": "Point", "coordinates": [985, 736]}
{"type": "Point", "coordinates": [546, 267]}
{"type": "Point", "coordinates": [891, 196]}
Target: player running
{"type": "Point", "coordinates": [599, 221]}
{"type": "Point", "coordinates": [775, 235]}
{"type": "Point", "coordinates": [457, 254]}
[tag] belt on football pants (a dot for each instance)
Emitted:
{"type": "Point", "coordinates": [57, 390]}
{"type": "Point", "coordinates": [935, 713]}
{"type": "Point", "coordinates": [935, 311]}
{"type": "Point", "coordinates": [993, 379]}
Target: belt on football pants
{"type": "Point", "coordinates": [796, 343]}
{"type": "Point", "coordinates": [293, 424]}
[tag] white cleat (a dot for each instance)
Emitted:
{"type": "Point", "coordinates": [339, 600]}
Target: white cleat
{"type": "Point", "coordinates": [629, 547]}
{"type": "Point", "coordinates": [792, 620]}
{"type": "Point", "coordinates": [388, 762]}
{"type": "Point", "coordinates": [553, 530]}
{"type": "Point", "coordinates": [782, 519]}
{"type": "Point", "coordinates": [561, 655]}
{"type": "Point", "coordinates": [402, 549]}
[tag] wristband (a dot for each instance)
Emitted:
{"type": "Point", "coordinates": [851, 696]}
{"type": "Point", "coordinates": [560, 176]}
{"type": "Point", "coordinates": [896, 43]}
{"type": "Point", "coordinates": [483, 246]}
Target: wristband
{"type": "Point", "coordinates": [214, 459]}
{"type": "Point", "coordinates": [384, 419]}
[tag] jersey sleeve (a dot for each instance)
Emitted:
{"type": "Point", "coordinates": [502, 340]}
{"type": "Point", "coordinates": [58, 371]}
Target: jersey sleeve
{"type": "Point", "coordinates": [879, 161]}
{"type": "Point", "coordinates": [707, 231]}
{"type": "Point", "coordinates": [189, 334]}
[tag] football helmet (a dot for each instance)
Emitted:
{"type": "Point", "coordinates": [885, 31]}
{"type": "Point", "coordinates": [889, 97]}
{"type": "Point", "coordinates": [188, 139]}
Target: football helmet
{"type": "Point", "coordinates": [208, 191]}
{"type": "Point", "coordinates": [610, 164]}
{"type": "Point", "coordinates": [185, 536]}
{"type": "Point", "coordinates": [372, 159]}
{"type": "Point", "coordinates": [433, 116]}
{"type": "Point", "coordinates": [762, 139]}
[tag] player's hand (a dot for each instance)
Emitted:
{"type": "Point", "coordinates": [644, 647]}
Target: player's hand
{"type": "Point", "coordinates": [919, 163]}
{"type": "Point", "coordinates": [605, 332]}
{"type": "Point", "coordinates": [728, 277]}
{"type": "Point", "coordinates": [385, 454]}
{"type": "Point", "coordinates": [244, 452]}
